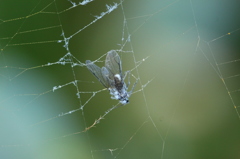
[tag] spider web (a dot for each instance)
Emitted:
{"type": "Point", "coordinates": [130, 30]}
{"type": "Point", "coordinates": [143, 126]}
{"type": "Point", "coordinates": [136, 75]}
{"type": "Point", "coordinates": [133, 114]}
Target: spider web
{"type": "Point", "coordinates": [184, 54]}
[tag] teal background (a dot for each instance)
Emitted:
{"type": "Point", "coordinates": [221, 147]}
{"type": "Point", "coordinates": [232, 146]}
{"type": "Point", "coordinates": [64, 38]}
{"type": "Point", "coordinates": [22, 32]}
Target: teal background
{"type": "Point", "coordinates": [188, 113]}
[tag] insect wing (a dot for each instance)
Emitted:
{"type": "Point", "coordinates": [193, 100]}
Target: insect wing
{"type": "Point", "coordinates": [100, 74]}
{"type": "Point", "coordinates": [105, 73]}
{"type": "Point", "coordinates": [113, 64]}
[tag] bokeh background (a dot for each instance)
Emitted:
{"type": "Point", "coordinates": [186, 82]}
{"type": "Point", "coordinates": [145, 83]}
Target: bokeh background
{"type": "Point", "coordinates": [189, 110]}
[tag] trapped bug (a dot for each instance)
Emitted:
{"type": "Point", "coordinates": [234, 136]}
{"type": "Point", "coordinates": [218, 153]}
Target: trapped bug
{"type": "Point", "coordinates": [111, 77]}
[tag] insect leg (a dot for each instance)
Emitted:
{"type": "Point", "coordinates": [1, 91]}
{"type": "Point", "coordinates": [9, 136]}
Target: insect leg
{"type": "Point", "coordinates": [127, 73]}
{"type": "Point", "coordinates": [130, 92]}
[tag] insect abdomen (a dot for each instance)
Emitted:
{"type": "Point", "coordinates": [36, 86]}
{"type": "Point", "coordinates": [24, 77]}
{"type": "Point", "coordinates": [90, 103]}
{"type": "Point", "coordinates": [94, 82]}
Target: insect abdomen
{"type": "Point", "coordinates": [118, 82]}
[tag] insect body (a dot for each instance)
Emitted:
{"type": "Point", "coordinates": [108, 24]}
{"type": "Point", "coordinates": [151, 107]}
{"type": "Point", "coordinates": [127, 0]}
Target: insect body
{"type": "Point", "coordinates": [111, 76]}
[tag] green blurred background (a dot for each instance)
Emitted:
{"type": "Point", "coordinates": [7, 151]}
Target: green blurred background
{"type": "Point", "coordinates": [187, 114]}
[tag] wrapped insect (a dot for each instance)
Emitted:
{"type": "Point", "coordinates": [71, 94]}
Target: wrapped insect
{"type": "Point", "coordinates": [111, 77]}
